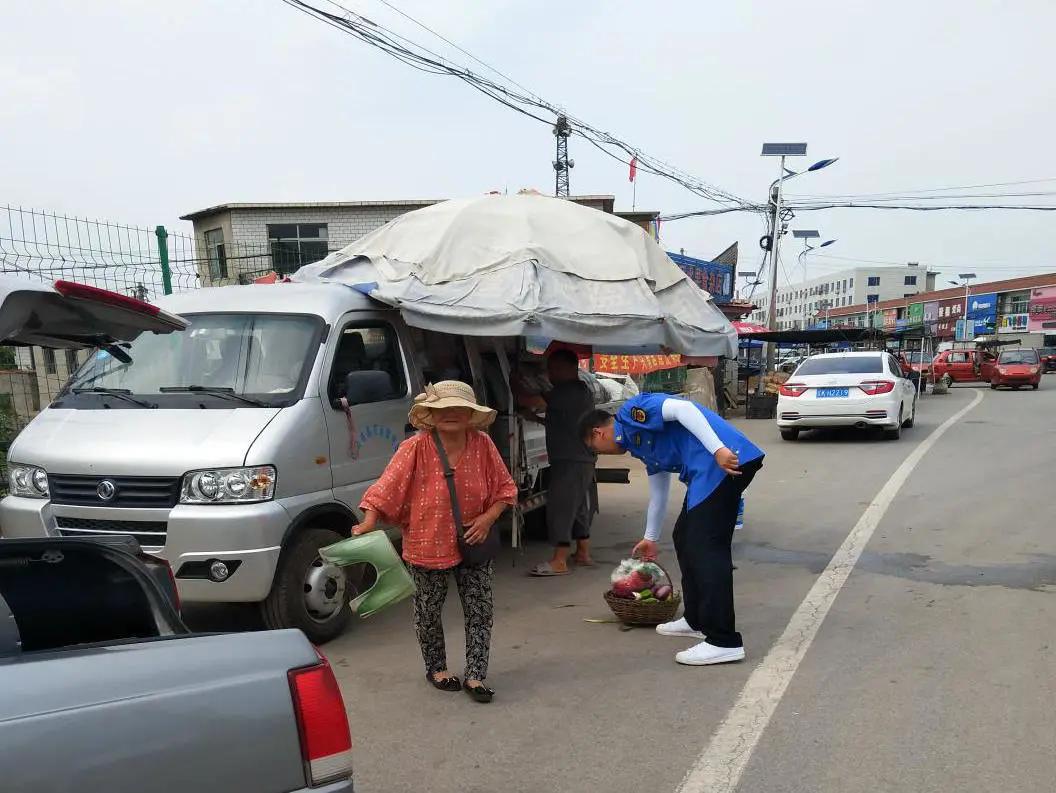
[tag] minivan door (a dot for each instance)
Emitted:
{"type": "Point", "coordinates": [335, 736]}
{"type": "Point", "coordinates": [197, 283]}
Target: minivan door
{"type": "Point", "coordinates": [961, 366]}
{"type": "Point", "coordinates": [366, 394]}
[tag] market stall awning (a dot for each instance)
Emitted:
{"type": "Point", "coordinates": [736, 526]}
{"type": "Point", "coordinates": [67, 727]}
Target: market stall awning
{"type": "Point", "coordinates": [817, 336]}
{"type": "Point", "coordinates": [530, 265]}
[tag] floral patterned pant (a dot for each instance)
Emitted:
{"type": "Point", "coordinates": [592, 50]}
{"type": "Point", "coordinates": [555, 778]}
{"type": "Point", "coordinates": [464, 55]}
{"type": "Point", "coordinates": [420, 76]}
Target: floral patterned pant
{"type": "Point", "coordinates": [474, 588]}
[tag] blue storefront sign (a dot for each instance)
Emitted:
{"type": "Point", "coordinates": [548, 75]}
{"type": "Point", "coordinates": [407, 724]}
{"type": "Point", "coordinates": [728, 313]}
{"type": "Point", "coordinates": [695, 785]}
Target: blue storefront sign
{"type": "Point", "coordinates": [982, 310]}
{"type": "Point", "coordinates": [712, 277]}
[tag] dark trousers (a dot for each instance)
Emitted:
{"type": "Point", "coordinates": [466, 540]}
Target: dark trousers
{"type": "Point", "coordinates": [570, 501]}
{"type": "Point", "coordinates": [430, 591]}
{"type": "Point", "coordinates": [703, 537]}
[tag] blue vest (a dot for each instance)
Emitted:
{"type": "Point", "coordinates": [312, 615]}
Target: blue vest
{"type": "Point", "coordinates": [668, 446]}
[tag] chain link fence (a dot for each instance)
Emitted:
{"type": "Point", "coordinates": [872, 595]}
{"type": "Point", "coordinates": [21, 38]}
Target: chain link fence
{"type": "Point", "coordinates": [145, 263]}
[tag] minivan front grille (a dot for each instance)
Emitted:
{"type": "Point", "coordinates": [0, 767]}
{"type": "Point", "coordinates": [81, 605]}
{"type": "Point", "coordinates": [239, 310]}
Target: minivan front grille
{"type": "Point", "coordinates": [149, 533]}
{"type": "Point", "coordinates": [133, 492]}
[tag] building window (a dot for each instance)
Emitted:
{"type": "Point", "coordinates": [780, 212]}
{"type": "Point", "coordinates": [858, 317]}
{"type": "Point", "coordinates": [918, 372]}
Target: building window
{"type": "Point", "coordinates": [911, 280]}
{"type": "Point", "coordinates": [845, 284]}
{"type": "Point", "coordinates": [49, 361]}
{"type": "Point", "coordinates": [217, 255]}
{"type": "Point", "coordinates": [874, 280]}
{"type": "Point", "coordinates": [71, 361]}
{"type": "Point", "coordinates": [909, 294]}
{"type": "Point", "coordinates": [296, 244]}
{"type": "Point", "coordinates": [872, 298]}
{"type": "Point", "coordinates": [851, 282]}
{"type": "Point", "coordinates": [1017, 304]}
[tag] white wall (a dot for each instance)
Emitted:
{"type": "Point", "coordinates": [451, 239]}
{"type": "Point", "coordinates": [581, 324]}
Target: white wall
{"type": "Point", "coordinates": [796, 304]}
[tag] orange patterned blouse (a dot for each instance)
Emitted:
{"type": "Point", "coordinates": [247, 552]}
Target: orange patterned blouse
{"type": "Point", "coordinates": [412, 494]}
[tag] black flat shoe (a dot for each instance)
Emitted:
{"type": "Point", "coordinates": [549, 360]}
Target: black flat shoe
{"type": "Point", "coordinates": [447, 684]}
{"type": "Point", "coordinates": [480, 693]}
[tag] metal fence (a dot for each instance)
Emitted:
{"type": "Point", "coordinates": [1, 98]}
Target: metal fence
{"type": "Point", "coordinates": [145, 263]}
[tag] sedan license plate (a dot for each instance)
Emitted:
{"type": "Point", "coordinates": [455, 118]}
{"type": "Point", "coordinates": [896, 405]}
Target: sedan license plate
{"type": "Point", "coordinates": [830, 393]}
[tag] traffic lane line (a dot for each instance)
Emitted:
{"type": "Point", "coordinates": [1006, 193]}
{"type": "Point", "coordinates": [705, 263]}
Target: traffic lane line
{"type": "Point", "coordinates": [719, 767]}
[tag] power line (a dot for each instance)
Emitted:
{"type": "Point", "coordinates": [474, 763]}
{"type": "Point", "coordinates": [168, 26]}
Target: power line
{"type": "Point", "coordinates": [507, 92]}
{"type": "Point", "coordinates": [1020, 207]}
{"type": "Point", "coordinates": [835, 196]}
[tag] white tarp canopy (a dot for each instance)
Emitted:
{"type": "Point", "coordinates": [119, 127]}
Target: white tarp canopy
{"type": "Point", "coordinates": [530, 265]}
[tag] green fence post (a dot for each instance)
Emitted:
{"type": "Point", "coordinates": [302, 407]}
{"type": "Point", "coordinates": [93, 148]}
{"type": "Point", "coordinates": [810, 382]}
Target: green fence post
{"type": "Point", "coordinates": [163, 256]}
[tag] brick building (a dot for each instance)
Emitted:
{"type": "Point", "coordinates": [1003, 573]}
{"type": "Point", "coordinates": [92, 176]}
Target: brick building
{"type": "Point", "coordinates": [1014, 309]}
{"type": "Point", "coordinates": [240, 241]}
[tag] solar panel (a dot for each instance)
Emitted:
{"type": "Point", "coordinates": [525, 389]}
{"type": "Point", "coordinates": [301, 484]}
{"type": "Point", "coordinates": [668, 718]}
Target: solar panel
{"type": "Point", "coordinates": [805, 234]}
{"type": "Point", "coordinates": [784, 149]}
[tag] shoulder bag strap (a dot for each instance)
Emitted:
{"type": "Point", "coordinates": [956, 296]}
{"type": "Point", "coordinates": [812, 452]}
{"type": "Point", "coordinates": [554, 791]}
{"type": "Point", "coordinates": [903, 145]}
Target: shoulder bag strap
{"type": "Point", "coordinates": [449, 475]}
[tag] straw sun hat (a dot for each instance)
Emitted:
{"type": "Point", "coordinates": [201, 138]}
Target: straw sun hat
{"type": "Point", "coordinates": [449, 394]}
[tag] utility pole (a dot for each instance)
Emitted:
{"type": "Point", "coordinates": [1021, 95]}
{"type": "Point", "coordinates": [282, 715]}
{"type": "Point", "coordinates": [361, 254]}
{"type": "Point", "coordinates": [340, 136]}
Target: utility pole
{"type": "Point", "coordinates": [562, 165]}
{"type": "Point", "coordinates": [966, 277]}
{"type": "Point", "coordinates": [775, 246]}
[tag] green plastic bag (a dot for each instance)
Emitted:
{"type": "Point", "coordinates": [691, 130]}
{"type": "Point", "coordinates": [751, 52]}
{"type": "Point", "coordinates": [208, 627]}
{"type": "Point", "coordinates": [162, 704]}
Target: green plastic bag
{"type": "Point", "coordinates": [394, 582]}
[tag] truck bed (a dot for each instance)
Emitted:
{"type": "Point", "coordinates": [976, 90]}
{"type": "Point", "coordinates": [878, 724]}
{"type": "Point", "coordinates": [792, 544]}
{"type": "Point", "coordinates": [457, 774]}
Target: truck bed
{"type": "Point", "coordinates": [179, 713]}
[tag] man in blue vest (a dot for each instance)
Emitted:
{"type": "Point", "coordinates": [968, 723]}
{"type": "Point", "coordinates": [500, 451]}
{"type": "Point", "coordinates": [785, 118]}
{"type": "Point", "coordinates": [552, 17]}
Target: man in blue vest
{"type": "Point", "coordinates": [716, 462]}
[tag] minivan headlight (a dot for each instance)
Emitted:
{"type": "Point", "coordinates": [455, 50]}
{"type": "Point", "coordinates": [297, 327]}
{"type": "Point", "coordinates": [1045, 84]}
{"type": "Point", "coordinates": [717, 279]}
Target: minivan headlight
{"type": "Point", "coordinates": [228, 485]}
{"type": "Point", "coordinates": [27, 481]}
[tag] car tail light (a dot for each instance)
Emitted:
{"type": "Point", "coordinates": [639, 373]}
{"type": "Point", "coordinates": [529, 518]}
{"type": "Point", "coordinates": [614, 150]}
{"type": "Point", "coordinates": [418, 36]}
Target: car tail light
{"type": "Point", "coordinates": [792, 389]}
{"type": "Point", "coordinates": [874, 387]}
{"type": "Point", "coordinates": [326, 742]}
{"type": "Point", "coordinates": [175, 589]}
{"type": "Point", "coordinates": [172, 579]}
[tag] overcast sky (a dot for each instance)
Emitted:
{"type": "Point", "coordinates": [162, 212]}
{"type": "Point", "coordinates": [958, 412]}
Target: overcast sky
{"type": "Point", "coordinates": [141, 111]}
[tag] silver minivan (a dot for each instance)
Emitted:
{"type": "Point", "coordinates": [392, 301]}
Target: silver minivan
{"type": "Point", "coordinates": [238, 447]}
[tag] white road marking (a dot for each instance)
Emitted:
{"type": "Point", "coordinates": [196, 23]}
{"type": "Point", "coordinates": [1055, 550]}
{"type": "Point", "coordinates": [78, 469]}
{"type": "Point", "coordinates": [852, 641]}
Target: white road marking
{"type": "Point", "coordinates": [719, 768]}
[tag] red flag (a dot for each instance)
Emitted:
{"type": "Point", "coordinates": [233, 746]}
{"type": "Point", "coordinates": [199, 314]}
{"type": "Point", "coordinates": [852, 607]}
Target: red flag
{"type": "Point", "coordinates": [634, 169]}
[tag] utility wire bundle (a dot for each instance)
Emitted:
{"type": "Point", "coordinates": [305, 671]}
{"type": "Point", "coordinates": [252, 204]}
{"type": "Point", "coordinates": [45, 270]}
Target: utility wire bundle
{"type": "Point", "coordinates": [508, 92]}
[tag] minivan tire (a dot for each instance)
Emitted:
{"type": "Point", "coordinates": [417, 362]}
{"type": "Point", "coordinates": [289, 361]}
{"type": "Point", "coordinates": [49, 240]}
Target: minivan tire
{"type": "Point", "coordinates": [285, 605]}
{"type": "Point", "coordinates": [790, 434]}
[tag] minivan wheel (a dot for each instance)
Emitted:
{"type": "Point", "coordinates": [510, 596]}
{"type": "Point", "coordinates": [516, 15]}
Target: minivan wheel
{"type": "Point", "coordinates": [790, 434]}
{"type": "Point", "coordinates": [309, 593]}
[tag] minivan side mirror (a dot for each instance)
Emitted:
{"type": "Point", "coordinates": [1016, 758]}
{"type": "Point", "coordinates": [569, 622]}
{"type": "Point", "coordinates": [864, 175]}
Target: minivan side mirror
{"type": "Point", "coordinates": [368, 386]}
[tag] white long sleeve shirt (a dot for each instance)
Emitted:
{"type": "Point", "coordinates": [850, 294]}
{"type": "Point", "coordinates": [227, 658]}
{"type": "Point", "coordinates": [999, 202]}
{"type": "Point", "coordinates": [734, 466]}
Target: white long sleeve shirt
{"type": "Point", "coordinates": [686, 414]}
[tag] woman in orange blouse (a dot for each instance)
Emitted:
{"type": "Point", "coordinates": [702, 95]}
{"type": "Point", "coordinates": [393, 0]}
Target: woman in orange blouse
{"type": "Point", "coordinates": [412, 493]}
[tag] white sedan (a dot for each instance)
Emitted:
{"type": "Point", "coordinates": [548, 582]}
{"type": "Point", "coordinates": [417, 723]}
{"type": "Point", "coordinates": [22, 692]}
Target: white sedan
{"type": "Point", "coordinates": [849, 389]}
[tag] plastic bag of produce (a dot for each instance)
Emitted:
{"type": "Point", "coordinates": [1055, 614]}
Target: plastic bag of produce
{"type": "Point", "coordinates": [634, 579]}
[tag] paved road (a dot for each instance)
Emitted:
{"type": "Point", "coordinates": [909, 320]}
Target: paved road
{"type": "Point", "coordinates": [933, 671]}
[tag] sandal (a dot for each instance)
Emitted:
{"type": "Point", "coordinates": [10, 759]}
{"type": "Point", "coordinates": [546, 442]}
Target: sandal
{"type": "Point", "coordinates": [584, 562]}
{"type": "Point", "coordinates": [546, 570]}
{"type": "Point", "coordinates": [444, 684]}
{"type": "Point", "coordinates": [479, 692]}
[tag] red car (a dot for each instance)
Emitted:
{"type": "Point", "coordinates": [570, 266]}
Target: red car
{"type": "Point", "coordinates": [1048, 358]}
{"type": "Point", "coordinates": [916, 365]}
{"type": "Point", "coordinates": [964, 366]}
{"type": "Point", "coordinates": [1016, 368]}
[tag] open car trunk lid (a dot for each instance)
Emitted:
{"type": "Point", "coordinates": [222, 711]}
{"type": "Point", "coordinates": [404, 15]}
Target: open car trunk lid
{"type": "Point", "coordinates": [104, 689]}
{"type": "Point", "coordinates": [70, 315]}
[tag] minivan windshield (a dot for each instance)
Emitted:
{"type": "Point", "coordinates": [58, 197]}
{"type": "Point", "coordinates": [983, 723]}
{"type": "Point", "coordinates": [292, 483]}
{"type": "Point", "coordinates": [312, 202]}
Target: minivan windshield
{"type": "Point", "coordinates": [1028, 357]}
{"type": "Point", "coordinates": [220, 358]}
{"type": "Point", "coordinates": [849, 364]}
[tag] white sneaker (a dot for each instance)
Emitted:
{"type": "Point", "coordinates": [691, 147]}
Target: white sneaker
{"type": "Point", "coordinates": [678, 628]}
{"type": "Point", "coordinates": [704, 654]}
